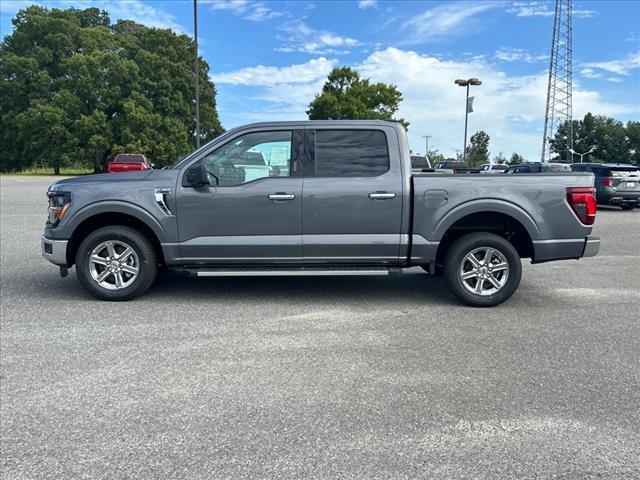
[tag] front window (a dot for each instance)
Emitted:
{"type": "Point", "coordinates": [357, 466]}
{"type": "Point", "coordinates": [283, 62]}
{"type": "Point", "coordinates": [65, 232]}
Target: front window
{"type": "Point", "coordinates": [251, 157]}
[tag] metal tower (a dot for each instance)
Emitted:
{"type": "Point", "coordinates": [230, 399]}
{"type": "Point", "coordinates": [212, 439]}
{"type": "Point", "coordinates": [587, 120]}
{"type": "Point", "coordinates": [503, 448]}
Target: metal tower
{"type": "Point", "coordinates": [559, 87]}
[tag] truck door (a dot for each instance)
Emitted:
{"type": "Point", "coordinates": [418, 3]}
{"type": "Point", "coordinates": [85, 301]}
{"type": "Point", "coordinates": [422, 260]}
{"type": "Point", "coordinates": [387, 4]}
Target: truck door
{"type": "Point", "coordinates": [252, 211]}
{"type": "Point", "coordinates": [352, 196]}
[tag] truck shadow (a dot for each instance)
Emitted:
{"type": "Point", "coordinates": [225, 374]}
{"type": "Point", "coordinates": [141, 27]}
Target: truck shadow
{"type": "Point", "coordinates": [411, 287]}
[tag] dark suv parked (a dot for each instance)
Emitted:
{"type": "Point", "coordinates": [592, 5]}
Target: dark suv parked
{"type": "Point", "coordinates": [616, 183]}
{"type": "Point", "coordinates": [537, 167]}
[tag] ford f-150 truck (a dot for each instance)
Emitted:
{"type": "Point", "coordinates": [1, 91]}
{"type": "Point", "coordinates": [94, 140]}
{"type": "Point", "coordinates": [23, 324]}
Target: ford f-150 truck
{"type": "Point", "coordinates": [339, 198]}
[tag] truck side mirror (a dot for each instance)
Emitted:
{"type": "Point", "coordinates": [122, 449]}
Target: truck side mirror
{"type": "Point", "coordinates": [196, 176]}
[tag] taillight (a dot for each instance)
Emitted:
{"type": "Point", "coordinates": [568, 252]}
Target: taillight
{"type": "Point", "coordinates": [583, 203]}
{"type": "Point", "coordinates": [607, 182]}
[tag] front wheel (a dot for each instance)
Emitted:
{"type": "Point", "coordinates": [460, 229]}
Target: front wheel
{"type": "Point", "coordinates": [627, 206]}
{"type": "Point", "coordinates": [482, 269]}
{"type": "Point", "coordinates": [116, 263]}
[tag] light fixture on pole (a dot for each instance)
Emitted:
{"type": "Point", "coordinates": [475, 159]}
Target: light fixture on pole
{"type": "Point", "coordinates": [426, 147]}
{"type": "Point", "coordinates": [196, 66]}
{"type": "Point", "coordinates": [468, 107]}
{"type": "Point", "coordinates": [591, 150]}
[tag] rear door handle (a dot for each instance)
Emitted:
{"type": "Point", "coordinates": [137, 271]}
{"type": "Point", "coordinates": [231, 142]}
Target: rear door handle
{"type": "Point", "coordinates": [381, 196]}
{"type": "Point", "coordinates": [281, 196]}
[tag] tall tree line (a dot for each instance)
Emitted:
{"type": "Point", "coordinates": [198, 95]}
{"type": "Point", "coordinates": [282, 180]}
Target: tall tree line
{"type": "Point", "coordinates": [77, 89]}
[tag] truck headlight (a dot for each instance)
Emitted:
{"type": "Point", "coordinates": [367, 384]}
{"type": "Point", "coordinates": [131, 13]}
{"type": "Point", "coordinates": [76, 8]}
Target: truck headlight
{"type": "Point", "coordinates": [59, 203]}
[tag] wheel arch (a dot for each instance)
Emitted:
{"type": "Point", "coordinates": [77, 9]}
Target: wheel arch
{"type": "Point", "coordinates": [504, 219]}
{"type": "Point", "coordinates": [102, 215]}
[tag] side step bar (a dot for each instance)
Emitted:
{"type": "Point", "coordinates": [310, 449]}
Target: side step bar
{"type": "Point", "coordinates": [300, 272]}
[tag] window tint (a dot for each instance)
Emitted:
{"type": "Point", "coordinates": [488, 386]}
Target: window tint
{"type": "Point", "coordinates": [351, 153]}
{"type": "Point", "coordinates": [418, 161]}
{"type": "Point", "coordinates": [251, 157]}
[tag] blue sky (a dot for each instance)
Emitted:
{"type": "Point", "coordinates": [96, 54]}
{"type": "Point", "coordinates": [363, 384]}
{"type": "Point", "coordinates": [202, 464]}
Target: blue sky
{"type": "Point", "coordinates": [269, 58]}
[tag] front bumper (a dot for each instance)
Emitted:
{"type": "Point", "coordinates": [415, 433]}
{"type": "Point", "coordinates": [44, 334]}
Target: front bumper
{"type": "Point", "coordinates": [54, 250]}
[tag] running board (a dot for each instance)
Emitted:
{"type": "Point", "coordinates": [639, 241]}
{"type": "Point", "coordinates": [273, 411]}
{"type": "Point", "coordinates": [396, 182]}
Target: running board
{"type": "Point", "coordinates": [300, 272]}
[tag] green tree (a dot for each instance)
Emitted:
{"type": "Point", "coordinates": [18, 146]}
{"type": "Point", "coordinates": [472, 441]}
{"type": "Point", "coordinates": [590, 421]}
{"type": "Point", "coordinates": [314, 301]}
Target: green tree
{"type": "Point", "coordinates": [633, 140]}
{"type": "Point", "coordinates": [516, 158]}
{"type": "Point", "coordinates": [76, 89]}
{"type": "Point", "coordinates": [434, 156]}
{"type": "Point", "coordinates": [477, 152]}
{"type": "Point", "coordinates": [347, 96]}
{"type": "Point", "coordinates": [610, 136]}
{"type": "Point", "coordinates": [500, 158]}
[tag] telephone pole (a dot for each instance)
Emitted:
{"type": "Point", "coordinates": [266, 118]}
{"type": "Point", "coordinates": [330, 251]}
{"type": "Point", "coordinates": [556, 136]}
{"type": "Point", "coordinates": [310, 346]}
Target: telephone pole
{"type": "Point", "coordinates": [197, 71]}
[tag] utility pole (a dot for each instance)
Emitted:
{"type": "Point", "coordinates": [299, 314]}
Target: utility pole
{"type": "Point", "coordinates": [426, 139]}
{"type": "Point", "coordinates": [197, 71]}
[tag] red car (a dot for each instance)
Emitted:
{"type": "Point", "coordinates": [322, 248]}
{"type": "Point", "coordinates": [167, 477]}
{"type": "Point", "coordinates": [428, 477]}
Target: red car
{"type": "Point", "coordinates": [128, 162]}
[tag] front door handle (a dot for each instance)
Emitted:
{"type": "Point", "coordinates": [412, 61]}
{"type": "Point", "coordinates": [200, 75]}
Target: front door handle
{"type": "Point", "coordinates": [381, 196]}
{"type": "Point", "coordinates": [281, 196]}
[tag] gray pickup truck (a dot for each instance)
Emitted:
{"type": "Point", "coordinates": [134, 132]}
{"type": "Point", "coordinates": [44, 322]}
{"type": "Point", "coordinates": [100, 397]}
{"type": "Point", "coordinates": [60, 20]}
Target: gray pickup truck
{"type": "Point", "coordinates": [333, 198]}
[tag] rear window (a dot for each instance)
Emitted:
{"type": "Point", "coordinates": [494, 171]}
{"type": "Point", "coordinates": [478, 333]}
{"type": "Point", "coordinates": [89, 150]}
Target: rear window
{"type": "Point", "coordinates": [418, 161]}
{"type": "Point", "coordinates": [130, 158]}
{"type": "Point", "coordinates": [351, 153]}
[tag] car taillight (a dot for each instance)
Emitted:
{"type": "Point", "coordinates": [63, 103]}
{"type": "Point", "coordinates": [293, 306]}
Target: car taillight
{"type": "Point", "coordinates": [583, 203]}
{"type": "Point", "coordinates": [607, 182]}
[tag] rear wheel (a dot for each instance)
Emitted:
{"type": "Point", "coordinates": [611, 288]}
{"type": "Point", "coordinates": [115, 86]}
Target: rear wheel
{"type": "Point", "coordinates": [116, 263]}
{"type": "Point", "coordinates": [627, 206]}
{"type": "Point", "coordinates": [482, 269]}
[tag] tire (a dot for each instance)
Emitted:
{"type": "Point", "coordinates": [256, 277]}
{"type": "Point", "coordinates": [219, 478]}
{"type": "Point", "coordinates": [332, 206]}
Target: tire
{"type": "Point", "coordinates": [503, 256]}
{"type": "Point", "coordinates": [627, 206]}
{"type": "Point", "coordinates": [136, 268]}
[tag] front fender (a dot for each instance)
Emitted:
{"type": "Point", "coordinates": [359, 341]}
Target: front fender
{"type": "Point", "coordinates": [108, 206]}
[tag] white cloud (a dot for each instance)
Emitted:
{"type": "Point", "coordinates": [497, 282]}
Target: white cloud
{"type": "Point", "coordinates": [544, 9]}
{"type": "Point", "coordinates": [249, 10]}
{"type": "Point", "coordinates": [615, 79]}
{"type": "Point", "coordinates": [509, 108]}
{"type": "Point", "coordinates": [264, 76]}
{"type": "Point", "coordinates": [445, 20]}
{"type": "Point", "coordinates": [589, 73]}
{"type": "Point", "coordinates": [364, 4]}
{"type": "Point", "coordinates": [140, 12]}
{"type": "Point", "coordinates": [623, 66]}
{"type": "Point", "coordinates": [135, 10]}
{"type": "Point", "coordinates": [507, 54]}
{"type": "Point", "coordinates": [300, 37]}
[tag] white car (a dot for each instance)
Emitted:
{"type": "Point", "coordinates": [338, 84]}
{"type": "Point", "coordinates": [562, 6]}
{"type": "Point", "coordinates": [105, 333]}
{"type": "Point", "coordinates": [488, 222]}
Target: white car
{"type": "Point", "coordinates": [493, 168]}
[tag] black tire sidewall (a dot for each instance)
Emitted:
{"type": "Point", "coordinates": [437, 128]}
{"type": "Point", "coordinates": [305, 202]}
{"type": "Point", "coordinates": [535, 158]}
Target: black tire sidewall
{"type": "Point", "coordinates": [461, 248]}
{"type": "Point", "coordinates": [141, 245]}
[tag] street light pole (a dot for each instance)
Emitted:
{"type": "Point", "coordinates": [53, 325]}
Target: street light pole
{"type": "Point", "coordinates": [466, 83]}
{"type": "Point", "coordinates": [426, 139]}
{"type": "Point", "coordinates": [466, 122]}
{"type": "Point", "coordinates": [197, 71]}
{"type": "Point", "coordinates": [581, 155]}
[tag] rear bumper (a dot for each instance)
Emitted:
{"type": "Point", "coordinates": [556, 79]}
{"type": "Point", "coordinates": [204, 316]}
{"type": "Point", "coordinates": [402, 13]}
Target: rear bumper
{"type": "Point", "coordinates": [565, 249]}
{"type": "Point", "coordinates": [618, 198]}
{"type": "Point", "coordinates": [54, 250]}
{"type": "Point", "coordinates": [591, 246]}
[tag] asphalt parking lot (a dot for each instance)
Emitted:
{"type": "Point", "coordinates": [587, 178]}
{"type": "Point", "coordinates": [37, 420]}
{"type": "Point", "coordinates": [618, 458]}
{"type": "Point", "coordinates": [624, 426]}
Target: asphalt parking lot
{"type": "Point", "coordinates": [370, 377]}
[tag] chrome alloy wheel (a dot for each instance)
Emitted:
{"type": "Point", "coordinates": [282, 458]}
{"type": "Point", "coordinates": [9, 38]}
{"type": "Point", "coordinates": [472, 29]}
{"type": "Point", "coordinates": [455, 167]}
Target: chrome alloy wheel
{"type": "Point", "coordinates": [114, 265]}
{"type": "Point", "coordinates": [484, 271]}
